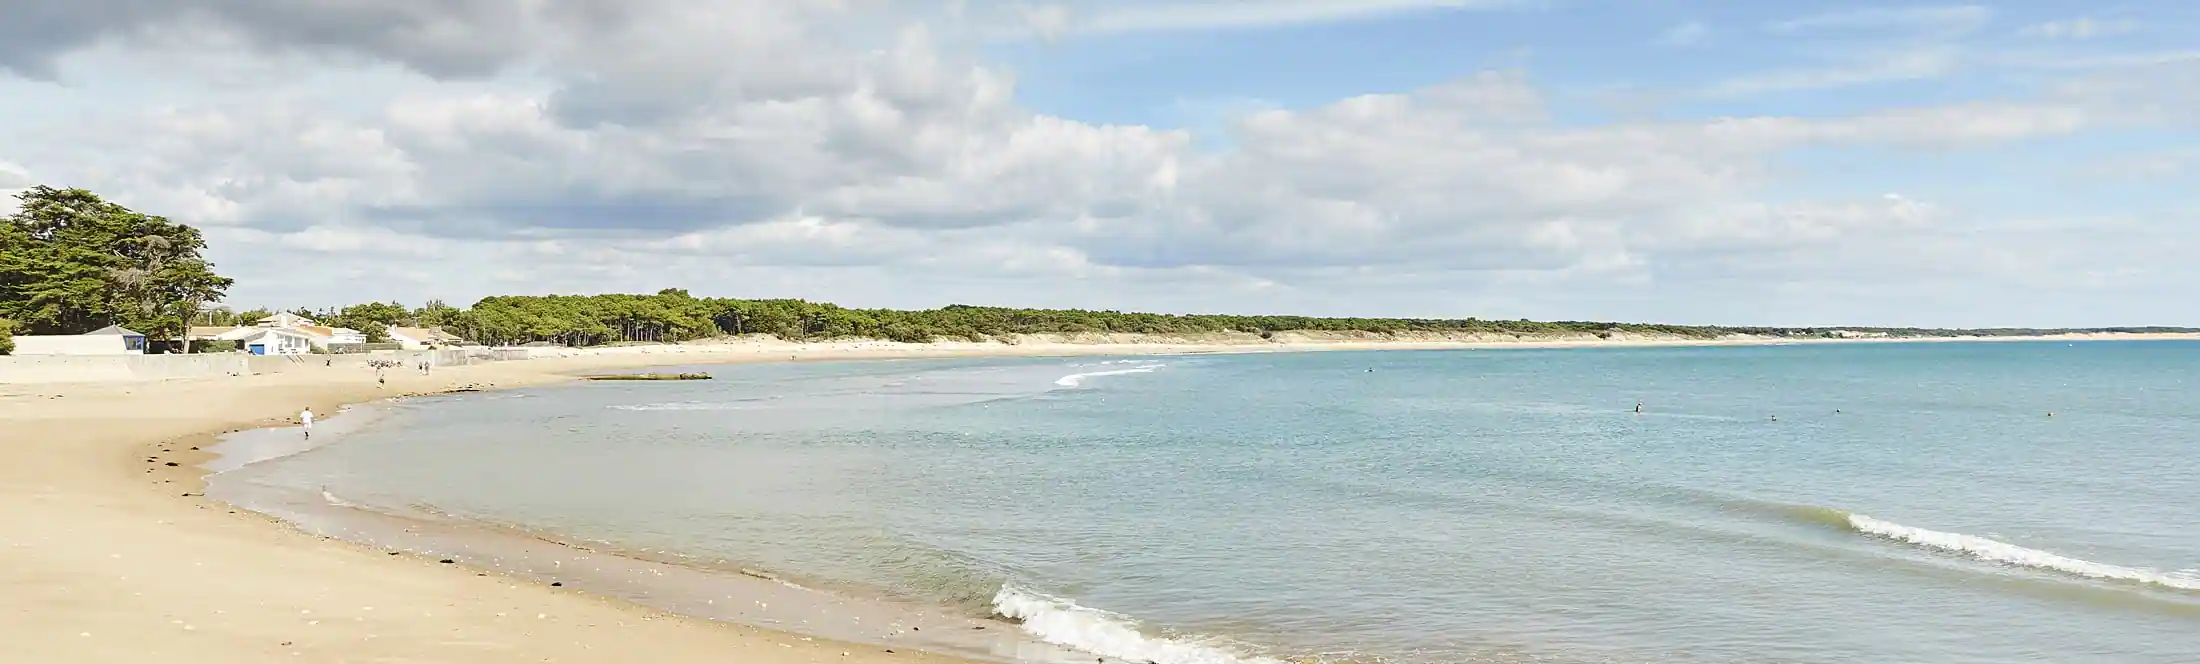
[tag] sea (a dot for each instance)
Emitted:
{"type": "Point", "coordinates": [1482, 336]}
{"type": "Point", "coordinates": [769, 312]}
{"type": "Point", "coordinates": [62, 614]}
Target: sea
{"type": "Point", "coordinates": [1945, 503]}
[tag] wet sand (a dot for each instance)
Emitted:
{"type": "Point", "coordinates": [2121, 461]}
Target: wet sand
{"type": "Point", "coordinates": [111, 552]}
{"type": "Point", "coordinates": [712, 589]}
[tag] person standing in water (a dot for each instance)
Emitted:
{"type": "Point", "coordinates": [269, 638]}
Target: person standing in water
{"type": "Point", "coordinates": [305, 417]}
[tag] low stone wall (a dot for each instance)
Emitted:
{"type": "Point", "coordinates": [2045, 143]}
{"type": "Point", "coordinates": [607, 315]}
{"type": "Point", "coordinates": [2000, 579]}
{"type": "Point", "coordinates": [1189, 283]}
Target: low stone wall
{"type": "Point", "coordinates": [70, 345]}
{"type": "Point", "coordinates": [121, 368]}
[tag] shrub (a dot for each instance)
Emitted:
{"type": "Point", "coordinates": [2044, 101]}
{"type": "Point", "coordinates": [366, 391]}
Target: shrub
{"type": "Point", "coordinates": [7, 336]}
{"type": "Point", "coordinates": [216, 346]}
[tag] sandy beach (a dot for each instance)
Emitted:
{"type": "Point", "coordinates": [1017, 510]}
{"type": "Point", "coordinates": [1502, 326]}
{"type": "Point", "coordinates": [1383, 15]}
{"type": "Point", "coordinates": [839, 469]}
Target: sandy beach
{"type": "Point", "coordinates": [111, 553]}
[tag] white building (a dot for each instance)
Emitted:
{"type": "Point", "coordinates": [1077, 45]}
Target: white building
{"type": "Point", "coordinates": [216, 333]}
{"type": "Point", "coordinates": [320, 337]}
{"type": "Point", "coordinates": [345, 335]}
{"type": "Point", "coordinates": [275, 341]}
{"type": "Point", "coordinates": [284, 319]}
{"type": "Point", "coordinates": [110, 340]}
{"type": "Point", "coordinates": [416, 338]}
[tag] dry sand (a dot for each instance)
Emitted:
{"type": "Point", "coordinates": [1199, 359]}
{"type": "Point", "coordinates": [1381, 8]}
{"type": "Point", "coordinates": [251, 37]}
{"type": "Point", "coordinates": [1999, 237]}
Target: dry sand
{"type": "Point", "coordinates": [108, 552]}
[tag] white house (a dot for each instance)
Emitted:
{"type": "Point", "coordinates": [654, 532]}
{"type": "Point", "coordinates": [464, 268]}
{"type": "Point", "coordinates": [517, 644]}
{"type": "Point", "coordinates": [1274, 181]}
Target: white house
{"type": "Point", "coordinates": [416, 338]}
{"type": "Point", "coordinates": [110, 340]}
{"type": "Point", "coordinates": [284, 319]}
{"type": "Point", "coordinates": [234, 333]}
{"type": "Point", "coordinates": [345, 335]}
{"type": "Point", "coordinates": [322, 336]}
{"type": "Point", "coordinates": [275, 341]}
{"type": "Point", "coordinates": [215, 333]}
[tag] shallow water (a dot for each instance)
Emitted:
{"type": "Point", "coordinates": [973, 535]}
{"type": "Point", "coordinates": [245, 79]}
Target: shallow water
{"type": "Point", "coordinates": [1820, 503]}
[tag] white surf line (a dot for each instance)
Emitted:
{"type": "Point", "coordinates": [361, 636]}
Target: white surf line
{"type": "Point", "coordinates": [2004, 552]}
{"type": "Point", "coordinates": [1064, 623]}
{"type": "Point", "coordinates": [1076, 379]}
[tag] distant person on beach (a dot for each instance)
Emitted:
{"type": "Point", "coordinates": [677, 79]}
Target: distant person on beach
{"type": "Point", "coordinates": [305, 417]}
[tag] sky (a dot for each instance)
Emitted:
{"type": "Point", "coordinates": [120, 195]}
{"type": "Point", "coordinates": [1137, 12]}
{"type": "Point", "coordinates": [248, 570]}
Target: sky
{"type": "Point", "coordinates": [1733, 162]}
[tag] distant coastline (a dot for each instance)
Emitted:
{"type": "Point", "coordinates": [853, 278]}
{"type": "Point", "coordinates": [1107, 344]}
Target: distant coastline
{"type": "Point", "coordinates": [27, 370]}
{"type": "Point", "coordinates": [673, 315]}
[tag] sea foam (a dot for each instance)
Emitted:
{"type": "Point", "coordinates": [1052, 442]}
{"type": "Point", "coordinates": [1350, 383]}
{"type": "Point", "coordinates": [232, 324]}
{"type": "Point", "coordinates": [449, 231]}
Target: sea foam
{"type": "Point", "coordinates": [331, 499]}
{"type": "Point", "coordinates": [1076, 379]}
{"type": "Point", "coordinates": [2011, 554]}
{"type": "Point", "coordinates": [1064, 623]}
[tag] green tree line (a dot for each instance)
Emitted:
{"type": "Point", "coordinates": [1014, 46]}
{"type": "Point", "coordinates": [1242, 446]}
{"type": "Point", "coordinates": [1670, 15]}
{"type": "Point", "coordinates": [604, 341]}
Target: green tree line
{"type": "Point", "coordinates": [71, 262]}
{"type": "Point", "coordinates": [673, 315]}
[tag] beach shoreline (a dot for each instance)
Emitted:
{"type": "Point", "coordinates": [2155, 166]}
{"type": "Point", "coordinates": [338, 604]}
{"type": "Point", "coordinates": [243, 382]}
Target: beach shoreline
{"type": "Point", "coordinates": [720, 590]}
{"type": "Point", "coordinates": [119, 555]}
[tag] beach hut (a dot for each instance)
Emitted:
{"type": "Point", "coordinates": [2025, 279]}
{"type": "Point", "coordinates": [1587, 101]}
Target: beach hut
{"type": "Point", "coordinates": [110, 340]}
{"type": "Point", "coordinates": [131, 341]}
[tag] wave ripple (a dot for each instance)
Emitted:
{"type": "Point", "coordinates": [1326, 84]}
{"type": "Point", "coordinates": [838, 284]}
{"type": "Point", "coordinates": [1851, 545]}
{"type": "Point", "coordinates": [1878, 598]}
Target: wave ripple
{"type": "Point", "coordinates": [2011, 554]}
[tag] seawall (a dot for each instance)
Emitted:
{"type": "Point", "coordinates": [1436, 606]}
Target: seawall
{"type": "Point", "coordinates": [45, 369]}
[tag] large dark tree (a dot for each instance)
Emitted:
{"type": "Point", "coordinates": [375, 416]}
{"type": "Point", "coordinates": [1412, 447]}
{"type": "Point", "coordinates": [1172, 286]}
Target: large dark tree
{"type": "Point", "coordinates": [71, 262]}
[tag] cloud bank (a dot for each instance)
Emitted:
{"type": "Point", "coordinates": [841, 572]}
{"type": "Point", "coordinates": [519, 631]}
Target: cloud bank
{"type": "Point", "coordinates": [847, 150]}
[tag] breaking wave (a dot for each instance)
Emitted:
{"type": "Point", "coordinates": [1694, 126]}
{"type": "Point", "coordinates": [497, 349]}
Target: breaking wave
{"type": "Point", "coordinates": [2010, 554]}
{"type": "Point", "coordinates": [331, 499]}
{"type": "Point", "coordinates": [1984, 549]}
{"type": "Point", "coordinates": [1064, 623]}
{"type": "Point", "coordinates": [1076, 379]}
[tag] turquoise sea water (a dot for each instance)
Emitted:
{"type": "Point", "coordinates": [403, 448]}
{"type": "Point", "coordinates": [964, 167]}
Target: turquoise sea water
{"type": "Point", "coordinates": [1821, 503]}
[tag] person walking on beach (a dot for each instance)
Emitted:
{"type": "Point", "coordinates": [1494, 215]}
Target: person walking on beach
{"type": "Point", "coordinates": [305, 417]}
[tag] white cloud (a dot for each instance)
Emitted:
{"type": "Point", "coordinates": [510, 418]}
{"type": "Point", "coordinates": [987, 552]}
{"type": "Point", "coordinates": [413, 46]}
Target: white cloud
{"type": "Point", "coordinates": [2080, 28]}
{"type": "Point", "coordinates": [1942, 19]}
{"type": "Point", "coordinates": [1686, 34]}
{"type": "Point", "coordinates": [1869, 46]}
{"type": "Point", "coordinates": [771, 148]}
{"type": "Point", "coordinates": [1049, 21]}
{"type": "Point", "coordinates": [2067, 61]}
{"type": "Point", "coordinates": [1912, 64]}
{"type": "Point", "coordinates": [1760, 226]}
{"type": "Point", "coordinates": [2143, 166]}
{"type": "Point", "coordinates": [1113, 17]}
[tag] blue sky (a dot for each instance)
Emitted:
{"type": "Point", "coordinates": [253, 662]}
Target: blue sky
{"type": "Point", "coordinates": [2003, 163]}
